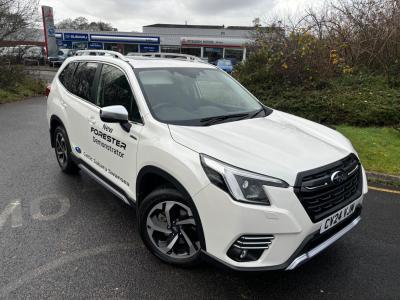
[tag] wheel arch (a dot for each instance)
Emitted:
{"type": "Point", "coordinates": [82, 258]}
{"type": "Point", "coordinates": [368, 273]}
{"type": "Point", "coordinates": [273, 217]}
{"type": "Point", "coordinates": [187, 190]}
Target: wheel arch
{"type": "Point", "coordinates": [151, 177]}
{"type": "Point", "coordinates": [54, 123]}
{"type": "Point", "coordinates": [147, 173]}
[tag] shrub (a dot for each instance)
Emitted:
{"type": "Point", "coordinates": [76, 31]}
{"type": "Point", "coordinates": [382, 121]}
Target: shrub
{"type": "Point", "coordinates": [15, 84]}
{"type": "Point", "coordinates": [362, 100]}
{"type": "Point", "coordinates": [10, 76]}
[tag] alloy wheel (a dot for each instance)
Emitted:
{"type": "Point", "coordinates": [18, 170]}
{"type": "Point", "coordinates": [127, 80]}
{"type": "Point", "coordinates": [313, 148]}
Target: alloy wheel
{"type": "Point", "coordinates": [171, 227]}
{"type": "Point", "coordinates": [61, 149]}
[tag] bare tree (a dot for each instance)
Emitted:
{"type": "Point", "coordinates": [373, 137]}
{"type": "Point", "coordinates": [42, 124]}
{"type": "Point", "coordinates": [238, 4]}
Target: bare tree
{"type": "Point", "coordinates": [16, 16]}
{"type": "Point", "coordinates": [365, 32]}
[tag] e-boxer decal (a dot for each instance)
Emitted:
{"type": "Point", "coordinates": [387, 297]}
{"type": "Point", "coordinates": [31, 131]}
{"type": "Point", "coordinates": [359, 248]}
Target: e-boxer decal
{"type": "Point", "coordinates": [108, 138]}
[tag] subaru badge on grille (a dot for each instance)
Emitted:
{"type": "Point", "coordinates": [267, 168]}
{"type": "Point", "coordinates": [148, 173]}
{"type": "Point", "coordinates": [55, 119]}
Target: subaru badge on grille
{"type": "Point", "coordinates": [338, 177]}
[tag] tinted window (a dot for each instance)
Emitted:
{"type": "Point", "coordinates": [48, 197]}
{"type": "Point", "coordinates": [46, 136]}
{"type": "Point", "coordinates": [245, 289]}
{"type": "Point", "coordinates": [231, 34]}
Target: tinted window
{"type": "Point", "coordinates": [114, 89]}
{"type": "Point", "coordinates": [82, 81]}
{"type": "Point", "coordinates": [189, 95]}
{"type": "Point", "coordinates": [66, 75]}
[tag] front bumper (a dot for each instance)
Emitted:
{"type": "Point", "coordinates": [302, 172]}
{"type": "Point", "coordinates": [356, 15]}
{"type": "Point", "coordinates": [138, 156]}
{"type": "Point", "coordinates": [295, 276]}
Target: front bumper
{"type": "Point", "coordinates": [325, 244]}
{"type": "Point", "coordinates": [296, 237]}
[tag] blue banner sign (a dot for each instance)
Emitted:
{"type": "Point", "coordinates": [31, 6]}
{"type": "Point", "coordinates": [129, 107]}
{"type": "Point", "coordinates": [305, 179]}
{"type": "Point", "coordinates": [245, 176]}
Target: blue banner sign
{"type": "Point", "coordinates": [95, 45]}
{"type": "Point", "coordinates": [76, 37]}
{"type": "Point", "coordinates": [124, 39]}
{"type": "Point", "coordinates": [149, 48]}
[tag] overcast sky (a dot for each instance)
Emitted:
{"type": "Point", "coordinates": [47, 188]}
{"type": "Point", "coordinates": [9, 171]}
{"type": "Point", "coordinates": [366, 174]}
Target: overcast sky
{"type": "Point", "coordinates": [131, 15]}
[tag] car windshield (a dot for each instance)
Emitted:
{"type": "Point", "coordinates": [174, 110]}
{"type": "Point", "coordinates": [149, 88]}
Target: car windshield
{"type": "Point", "coordinates": [224, 62]}
{"type": "Point", "coordinates": [196, 96]}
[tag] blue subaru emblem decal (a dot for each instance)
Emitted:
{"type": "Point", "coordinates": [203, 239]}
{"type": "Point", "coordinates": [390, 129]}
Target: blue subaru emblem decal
{"type": "Point", "coordinates": [77, 149]}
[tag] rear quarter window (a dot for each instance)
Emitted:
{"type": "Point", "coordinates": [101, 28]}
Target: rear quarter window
{"type": "Point", "coordinates": [82, 83]}
{"type": "Point", "coordinates": [66, 75]}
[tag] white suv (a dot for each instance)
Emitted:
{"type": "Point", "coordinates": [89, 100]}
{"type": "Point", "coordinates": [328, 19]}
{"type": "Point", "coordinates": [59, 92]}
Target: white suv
{"type": "Point", "coordinates": [212, 172]}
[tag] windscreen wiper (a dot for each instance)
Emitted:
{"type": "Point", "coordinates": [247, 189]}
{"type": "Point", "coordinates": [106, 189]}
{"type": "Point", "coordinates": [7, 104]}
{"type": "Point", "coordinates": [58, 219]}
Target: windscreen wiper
{"type": "Point", "coordinates": [257, 113]}
{"type": "Point", "coordinates": [213, 120]}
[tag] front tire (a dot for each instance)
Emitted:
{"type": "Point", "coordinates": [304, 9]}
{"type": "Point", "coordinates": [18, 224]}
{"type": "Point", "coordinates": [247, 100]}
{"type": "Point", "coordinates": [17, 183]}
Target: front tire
{"type": "Point", "coordinates": [62, 149]}
{"type": "Point", "coordinates": [169, 228]}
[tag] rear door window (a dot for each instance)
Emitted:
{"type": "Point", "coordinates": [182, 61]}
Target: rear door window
{"type": "Point", "coordinates": [83, 81]}
{"type": "Point", "coordinates": [114, 89]}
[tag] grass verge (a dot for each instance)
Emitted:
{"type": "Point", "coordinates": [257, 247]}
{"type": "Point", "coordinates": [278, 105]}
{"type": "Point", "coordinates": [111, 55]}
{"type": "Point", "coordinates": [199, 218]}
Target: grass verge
{"type": "Point", "coordinates": [378, 147]}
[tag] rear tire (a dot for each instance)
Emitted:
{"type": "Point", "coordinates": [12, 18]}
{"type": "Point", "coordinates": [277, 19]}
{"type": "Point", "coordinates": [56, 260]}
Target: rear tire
{"type": "Point", "coordinates": [62, 149]}
{"type": "Point", "coordinates": [169, 228]}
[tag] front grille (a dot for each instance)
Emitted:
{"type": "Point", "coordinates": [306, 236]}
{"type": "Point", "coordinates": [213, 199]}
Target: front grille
{"type": "Point", "coordinates": [321, 196]}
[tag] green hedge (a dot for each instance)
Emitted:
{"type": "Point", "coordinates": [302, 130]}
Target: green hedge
{"type": "Point", "coordinates": [361, 100]}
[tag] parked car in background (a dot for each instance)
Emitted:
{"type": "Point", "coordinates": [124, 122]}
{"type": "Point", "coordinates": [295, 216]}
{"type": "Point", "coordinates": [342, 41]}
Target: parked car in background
{"type": "Point", "coordinates": [62, 55]}
{"type": "Point", "coordinates": [225, 64]}
{"type": "Point", "coordinates": [14, 54]}
{"type": "Point", "coordinates": [10, 52]}
{"type": "Point", "coordinates": [233, 60]}
{"type": "Point", "coordinates": [3, 51]}
{"type": "Point", "coordinates": [36, 54]}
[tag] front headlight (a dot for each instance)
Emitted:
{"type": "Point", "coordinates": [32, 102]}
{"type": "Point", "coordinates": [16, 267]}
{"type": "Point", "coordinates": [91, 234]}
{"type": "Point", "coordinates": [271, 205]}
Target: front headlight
{"type": "Point", "coordinates": [244, 186]}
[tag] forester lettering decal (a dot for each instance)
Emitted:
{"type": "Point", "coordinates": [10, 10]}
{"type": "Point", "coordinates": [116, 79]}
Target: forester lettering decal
{"type": "Point", "coordinates": [105, 138]}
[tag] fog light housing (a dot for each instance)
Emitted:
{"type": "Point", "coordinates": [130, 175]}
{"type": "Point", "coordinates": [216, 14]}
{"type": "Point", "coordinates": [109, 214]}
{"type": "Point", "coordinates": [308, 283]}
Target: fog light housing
{"type": "Point", "coordinates": [249, 247]}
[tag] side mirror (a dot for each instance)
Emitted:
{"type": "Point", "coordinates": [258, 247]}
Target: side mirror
{"type": "Point", "coordinates": [115, 114]}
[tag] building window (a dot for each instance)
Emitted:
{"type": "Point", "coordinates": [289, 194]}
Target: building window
{"type": "Point", "coordinates": [235, 55]}
{"type": "Point", "coordinates": [80, 45]}
{"type": "Point", "coordinates": [191, 51]}
{"type": "Point", "coordinates": [213, 54]}
{"type": "Point", "coordinates": [131, 48]}
{"type": "Point", "coordinates": [171, 49]}
{"type": "Point", "coordinates": [110, 46]}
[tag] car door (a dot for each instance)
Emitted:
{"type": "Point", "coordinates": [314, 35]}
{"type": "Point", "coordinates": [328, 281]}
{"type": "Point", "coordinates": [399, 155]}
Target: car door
{"type": "Point", "coordinates": [113, 148]}
{"type": "Point", "coordinates": [79, 105]}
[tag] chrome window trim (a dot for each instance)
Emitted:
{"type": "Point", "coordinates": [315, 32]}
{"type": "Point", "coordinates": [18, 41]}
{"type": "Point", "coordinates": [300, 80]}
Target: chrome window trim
{"type": "Point", "coordinates": [93, 104]}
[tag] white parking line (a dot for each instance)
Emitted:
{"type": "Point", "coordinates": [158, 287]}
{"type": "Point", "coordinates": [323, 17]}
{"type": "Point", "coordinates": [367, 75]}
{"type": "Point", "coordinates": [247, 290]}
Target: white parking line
{"type": "Point", "coordinates": [384, 190]}
{"type": "Point", "coordinates": [13, 209]}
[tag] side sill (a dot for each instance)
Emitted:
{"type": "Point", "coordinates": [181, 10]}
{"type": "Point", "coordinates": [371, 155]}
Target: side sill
{"type": "Point", "coordinates": [103, 181]}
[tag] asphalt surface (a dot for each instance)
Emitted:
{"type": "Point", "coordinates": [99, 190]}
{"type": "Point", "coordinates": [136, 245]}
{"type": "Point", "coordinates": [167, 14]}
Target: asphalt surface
{"type": "Point", "coordinates": [67, 237]}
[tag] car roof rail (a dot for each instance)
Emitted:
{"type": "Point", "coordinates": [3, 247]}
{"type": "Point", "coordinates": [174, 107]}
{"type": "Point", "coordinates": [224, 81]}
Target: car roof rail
{"type": "Point", "coordinates": [101, 52]}
{"type": "Point", "coordinates": [167, 55]}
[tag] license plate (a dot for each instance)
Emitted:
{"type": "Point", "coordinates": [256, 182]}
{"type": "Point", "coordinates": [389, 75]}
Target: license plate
{"type": "Point", "coordinates": [337, 217]}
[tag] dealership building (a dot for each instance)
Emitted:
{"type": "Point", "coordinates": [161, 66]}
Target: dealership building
{"type": "Point", "coordinates": [205, 41]}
